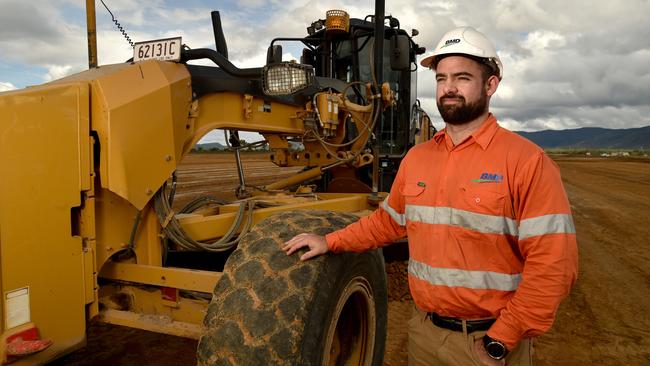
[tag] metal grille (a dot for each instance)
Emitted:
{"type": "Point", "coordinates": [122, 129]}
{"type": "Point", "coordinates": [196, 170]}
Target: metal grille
{"type": "Point", "coordinates": [337, 21]}
{"type": "Point", "coordinates": [286, 78]}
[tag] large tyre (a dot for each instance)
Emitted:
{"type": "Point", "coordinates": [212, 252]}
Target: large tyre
{"type": "Point", "coordinates": [272, 309]}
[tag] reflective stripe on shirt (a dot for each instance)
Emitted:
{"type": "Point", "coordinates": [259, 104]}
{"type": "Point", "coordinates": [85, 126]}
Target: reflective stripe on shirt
{"type": "Point", "coordinates": [399, 218]}
{"type": "Point", "coordinates": [462, 278]}
{"type": "Point", "coordinates": [482, 223]}
{"type": "Point", "coordinates": [547, 224]}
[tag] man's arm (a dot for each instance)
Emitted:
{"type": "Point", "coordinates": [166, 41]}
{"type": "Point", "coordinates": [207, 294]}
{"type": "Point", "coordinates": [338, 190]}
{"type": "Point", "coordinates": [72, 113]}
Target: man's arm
{"type": "Point", "coordinates": [380, 228]}
{"type": "Point", "coordinates": [377, 229]}
{"type": "Point", "coordinates": [547, 242]}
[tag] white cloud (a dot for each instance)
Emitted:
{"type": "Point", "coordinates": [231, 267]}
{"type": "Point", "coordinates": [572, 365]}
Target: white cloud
{"type": "Point", "coordinates": [5, 86]}
{"type": "Point", "coordinates": [566, 63]}
{"type": "Point", "coordinates": [542, 39]}
{"type": "Point", "coordinates": [55, 72]}
{"type": "Point", "coordinates": [128, 13]}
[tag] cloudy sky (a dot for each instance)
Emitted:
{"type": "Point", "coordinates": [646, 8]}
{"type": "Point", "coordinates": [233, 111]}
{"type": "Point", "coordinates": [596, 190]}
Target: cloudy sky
{"type": "Point", "coordinates": [567, 64]}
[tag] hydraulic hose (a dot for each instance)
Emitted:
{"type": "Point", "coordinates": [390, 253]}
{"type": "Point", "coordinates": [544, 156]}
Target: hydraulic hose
{"type": "Point", "coordinates": [174, 231]}
{"type": "Point", "coordinates": [221, 61]}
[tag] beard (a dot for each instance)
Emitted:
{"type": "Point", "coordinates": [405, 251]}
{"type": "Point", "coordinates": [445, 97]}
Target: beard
{"type": "Point", "coordinates": [462, 112]}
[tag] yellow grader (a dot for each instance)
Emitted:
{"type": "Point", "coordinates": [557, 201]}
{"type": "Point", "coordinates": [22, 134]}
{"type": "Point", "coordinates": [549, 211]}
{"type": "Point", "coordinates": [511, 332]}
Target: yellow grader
{"type": "Point", "coordinates": [87, 182]}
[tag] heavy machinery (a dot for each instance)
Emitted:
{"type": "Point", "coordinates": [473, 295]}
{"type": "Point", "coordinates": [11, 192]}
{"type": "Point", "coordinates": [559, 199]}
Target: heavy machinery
{"type": "Point", "coordinates": [87, 230]}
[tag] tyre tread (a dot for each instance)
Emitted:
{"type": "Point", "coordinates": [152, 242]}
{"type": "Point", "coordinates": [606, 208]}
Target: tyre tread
{"type": "Point", "coordinates": [255, 316]}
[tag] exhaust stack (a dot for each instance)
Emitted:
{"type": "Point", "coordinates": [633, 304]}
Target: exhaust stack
{"type": "Point", "coordinates": [219, 39]}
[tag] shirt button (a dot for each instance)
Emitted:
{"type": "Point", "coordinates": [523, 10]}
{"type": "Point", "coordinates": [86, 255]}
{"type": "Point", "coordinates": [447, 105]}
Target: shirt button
{"type": "Point", "coordinates": [477, 199]}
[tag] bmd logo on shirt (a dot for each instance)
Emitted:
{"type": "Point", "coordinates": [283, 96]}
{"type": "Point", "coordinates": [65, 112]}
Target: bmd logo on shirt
{"type": "Point", "coordinates": [489, 178]}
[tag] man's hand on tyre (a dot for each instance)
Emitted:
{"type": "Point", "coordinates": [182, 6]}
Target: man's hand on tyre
{"type": "Point", "coordinates": [317, 245]}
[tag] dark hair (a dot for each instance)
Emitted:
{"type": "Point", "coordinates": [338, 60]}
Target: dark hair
{"type": "Point", "coordinates": [488, 66]}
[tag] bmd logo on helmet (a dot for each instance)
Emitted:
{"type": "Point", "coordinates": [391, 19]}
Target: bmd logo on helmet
{"type": "Point", "coordinates": [464, 41]}
{"type": "Point", "coordinates": [450, 42]}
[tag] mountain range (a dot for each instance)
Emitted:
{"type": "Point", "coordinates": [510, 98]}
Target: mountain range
{"type": "Point", "coordinates": [579, 138]}
{"type": "Point", "coordinates": [209, 146]}
{"type": "Point", "coordinates": [592, 137]}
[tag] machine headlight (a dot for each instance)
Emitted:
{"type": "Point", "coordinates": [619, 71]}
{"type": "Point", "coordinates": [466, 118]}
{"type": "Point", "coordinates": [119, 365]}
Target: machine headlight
{"type": "Point", "coordinates": [286, 78]}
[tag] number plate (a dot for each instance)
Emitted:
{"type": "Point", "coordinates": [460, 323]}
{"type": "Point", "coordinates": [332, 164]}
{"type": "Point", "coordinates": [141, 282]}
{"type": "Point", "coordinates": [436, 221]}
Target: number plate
{"type": "Point", "coordinates": [161, 49]}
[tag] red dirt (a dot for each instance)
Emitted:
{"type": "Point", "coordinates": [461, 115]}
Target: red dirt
{"type": "Point", "coordinates": [216, 175]}
{"type": "Point", "coordinates": [604, 320]}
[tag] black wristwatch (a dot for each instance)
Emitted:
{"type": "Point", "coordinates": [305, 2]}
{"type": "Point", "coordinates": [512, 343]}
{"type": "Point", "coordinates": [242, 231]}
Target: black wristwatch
{"type": "Point", "coordinates": [494, 348]}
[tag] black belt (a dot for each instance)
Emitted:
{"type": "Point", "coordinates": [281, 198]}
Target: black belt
{"type": "Point", "coordinates": [456, 324]}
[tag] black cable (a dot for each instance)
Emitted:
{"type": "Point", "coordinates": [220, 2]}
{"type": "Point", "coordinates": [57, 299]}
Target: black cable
{"type": "Point", "coordinates": [119, 26]}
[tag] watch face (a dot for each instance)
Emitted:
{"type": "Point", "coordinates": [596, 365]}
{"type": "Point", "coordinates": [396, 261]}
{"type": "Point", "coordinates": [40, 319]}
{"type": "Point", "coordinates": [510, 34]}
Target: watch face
{"type": "Point", "coordinates": [496, 350]}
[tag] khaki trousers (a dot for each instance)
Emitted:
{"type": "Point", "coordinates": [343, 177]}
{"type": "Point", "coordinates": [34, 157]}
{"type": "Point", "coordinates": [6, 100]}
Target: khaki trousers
{"type": "Point", "coordinates": [431, 345]}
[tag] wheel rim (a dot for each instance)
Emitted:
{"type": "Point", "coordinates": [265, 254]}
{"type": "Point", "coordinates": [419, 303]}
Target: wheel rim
{"type": "Point", "coordinates": [351, 331]}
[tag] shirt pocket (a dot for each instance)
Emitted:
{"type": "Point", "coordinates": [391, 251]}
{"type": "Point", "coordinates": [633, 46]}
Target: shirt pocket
{"type": "Point", "coordinates": [412, 194]}
{"type": "Point", "coordinates": [412, 191]}
{"type": "Point", "coordinates": [483, 200]}
{"type": "Point", "coordinates": [474, 230]}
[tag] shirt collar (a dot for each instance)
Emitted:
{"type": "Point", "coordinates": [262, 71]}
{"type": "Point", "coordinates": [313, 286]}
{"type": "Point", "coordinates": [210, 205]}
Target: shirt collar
{"type": "Point", "coordinates": [483, 136]}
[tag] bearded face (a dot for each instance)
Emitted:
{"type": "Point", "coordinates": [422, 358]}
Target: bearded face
{"type": "Point", "coordinates": [455, 109]}
{"type": "Point", "coordinates": [462, 90]}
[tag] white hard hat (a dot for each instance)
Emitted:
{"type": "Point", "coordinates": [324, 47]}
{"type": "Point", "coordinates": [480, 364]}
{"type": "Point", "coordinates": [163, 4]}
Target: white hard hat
{"type": "Point", "coordinates": [465, 41]}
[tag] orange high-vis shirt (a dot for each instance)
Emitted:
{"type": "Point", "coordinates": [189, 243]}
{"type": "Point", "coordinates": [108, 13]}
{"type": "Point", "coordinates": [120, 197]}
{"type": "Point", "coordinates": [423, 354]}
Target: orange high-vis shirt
{"type": "Point", "coordinates": [489, 228]}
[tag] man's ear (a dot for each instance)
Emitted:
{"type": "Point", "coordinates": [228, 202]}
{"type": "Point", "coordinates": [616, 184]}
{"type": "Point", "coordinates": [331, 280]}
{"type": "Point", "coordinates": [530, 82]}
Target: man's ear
{"type": "Point", "coordinates": [491, 85]}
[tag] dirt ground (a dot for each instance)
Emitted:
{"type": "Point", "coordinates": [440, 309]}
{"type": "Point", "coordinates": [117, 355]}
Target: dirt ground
{"type": "Point", "coordinates": [604, 320]}
{"type": "Point", "coordinates": [216, 175]}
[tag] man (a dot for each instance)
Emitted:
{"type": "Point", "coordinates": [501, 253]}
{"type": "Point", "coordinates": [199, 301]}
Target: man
{"type": "Point", "coordinates": [491, 240]}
